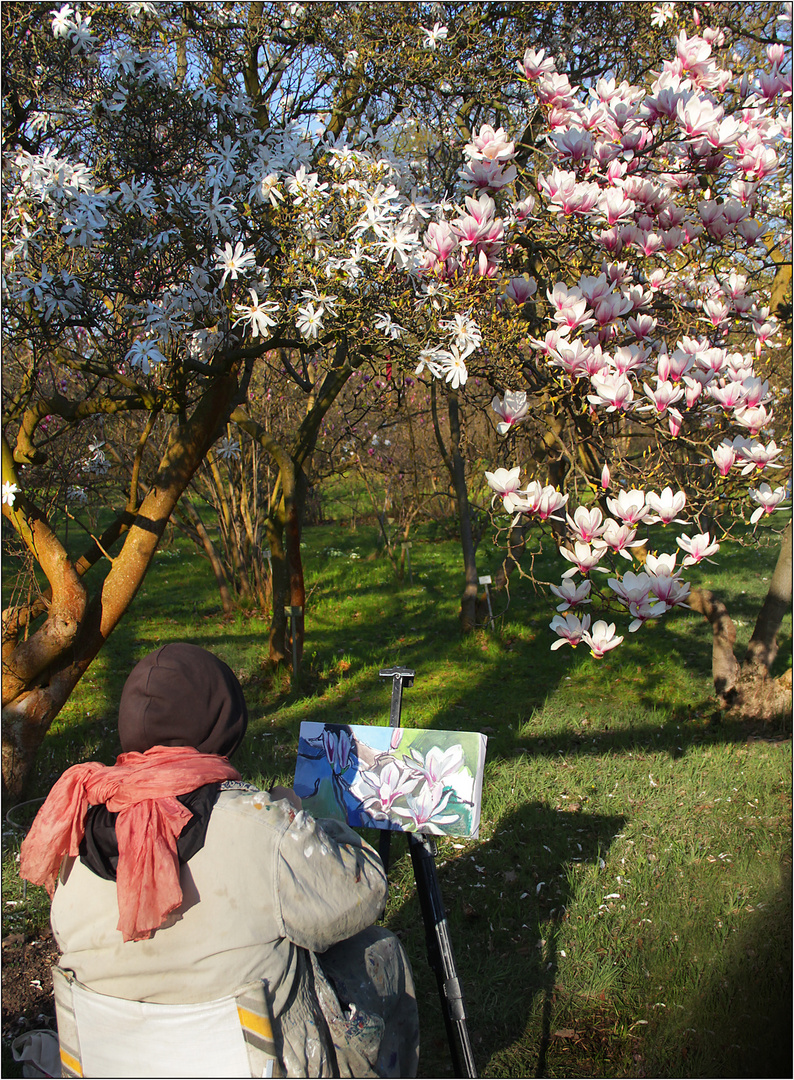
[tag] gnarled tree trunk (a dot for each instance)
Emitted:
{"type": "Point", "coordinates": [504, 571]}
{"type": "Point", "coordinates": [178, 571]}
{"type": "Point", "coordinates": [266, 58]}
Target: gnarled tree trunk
{"type": "Point", "coordinates": [747, 688]}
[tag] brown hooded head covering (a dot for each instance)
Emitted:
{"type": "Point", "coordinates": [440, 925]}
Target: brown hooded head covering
{"type": "Point", "coordinates": [182, 695]}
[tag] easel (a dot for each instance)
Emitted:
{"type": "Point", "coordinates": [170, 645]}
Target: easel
{"type": "Point", "coordinates": [439, 945]}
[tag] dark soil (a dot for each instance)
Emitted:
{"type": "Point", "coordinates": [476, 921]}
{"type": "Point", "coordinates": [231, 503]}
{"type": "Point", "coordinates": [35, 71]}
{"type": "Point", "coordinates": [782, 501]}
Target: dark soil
{"type": "Point", "coordinates": [27, 990]}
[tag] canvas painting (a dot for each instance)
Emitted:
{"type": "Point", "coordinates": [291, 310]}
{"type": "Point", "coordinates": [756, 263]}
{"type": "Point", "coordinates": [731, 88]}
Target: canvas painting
{"type": "Point", "coordinates": [405, 779]}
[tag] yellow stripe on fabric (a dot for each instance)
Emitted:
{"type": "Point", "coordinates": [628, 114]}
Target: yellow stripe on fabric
{"type": "Point", "coordinates": [255, 1022]}
{"type": "Point", "coordinates": [71, 1063]}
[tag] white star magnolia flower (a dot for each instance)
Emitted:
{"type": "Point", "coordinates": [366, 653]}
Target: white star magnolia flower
{"type": "Point", "coordinates": [145, 355]}
{"type": "Point", "coordinates": [233, 261]}
{"type": "Point", "coordinates": [257, 314]}
{"type": "Point", "coordinates": [309, 321]}
{"type": "Point", "coordinates": [62, 21]}
{"type": "Point", "coordinates": [10, 490]}
{"type": "Point", "coordinates": [228, 449]}
{"type": "Point", "coordinates": [434, 36]}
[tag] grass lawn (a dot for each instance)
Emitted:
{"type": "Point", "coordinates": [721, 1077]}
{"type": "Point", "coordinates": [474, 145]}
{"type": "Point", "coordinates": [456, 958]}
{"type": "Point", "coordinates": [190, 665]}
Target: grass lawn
{"type": "Point", "coordinates": [626, 910]}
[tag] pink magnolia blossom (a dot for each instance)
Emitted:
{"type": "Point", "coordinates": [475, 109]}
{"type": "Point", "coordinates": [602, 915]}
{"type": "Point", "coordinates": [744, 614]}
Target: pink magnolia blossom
{"type": "Point", "coordinates": [619, 538]}
{"type": "Point", "coordinates": [759, 456]}
{"type": "Point", "coordinates": [724, 456]}
{"type": "Point", "coordinates": [551, 501]}
{"type": "Point", "coordinates": [512, 409]}
{"type": "Point", "coordinates": [584, 558]}
{"type": "Point", "coordinates": [631, 588]}
{"type": "Point", "coordinates": [662, 397]}
{"type": "Point", "coordinates": [613, 390]}
{"type": "Point", "coordinates": [666, 506]}
{"type": "Point", "coordinates": [586, 524]}
{"type": "Point", "coordinates": [755, 417]}
{"type": "Point", "coordinates": [521, 289]}
{"type": "Point", "coordinates": [697, 547]}
{"type": "Point", "coordinates": [669, 591]}
{"type": "Point", "coordinates": [506, 482]}
{"type": "Point", "coordinates": [602, 638]}
{"type": "Point", "coordinates": [641, 611]}
{"type": "Point", "coordinates": [629, 506]}
{"type": "Point", "coordinates": [536, 64]}
{"type": "Point", "coordinates": [768, 499]}
{"type": "Point", "coordinates": [571, 594]}
{"type": "Point", "coordinates": [662, 565]}
{"type": "Point", "coordinates": [491, 144]}
{"type": "Point", "coordinates": [569, 628]}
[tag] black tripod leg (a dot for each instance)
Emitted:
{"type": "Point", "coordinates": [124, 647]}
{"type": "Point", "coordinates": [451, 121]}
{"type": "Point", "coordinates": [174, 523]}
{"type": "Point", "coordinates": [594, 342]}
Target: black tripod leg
{"type": "Point", "coordinates": [440, 954]}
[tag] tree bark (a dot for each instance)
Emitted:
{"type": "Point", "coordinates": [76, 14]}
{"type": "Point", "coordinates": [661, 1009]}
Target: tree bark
{"type": "Point", "coordinates": [748, 689]}
{"type": "Point", "coordinates": [724, 665]}
{"type": "Point", "coordinates": [40, 673]}
{"type": "Point", "coordinates": [762, 650]}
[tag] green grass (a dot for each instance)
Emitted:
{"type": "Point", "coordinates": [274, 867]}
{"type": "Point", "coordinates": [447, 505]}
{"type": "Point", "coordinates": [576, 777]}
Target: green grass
{"type": "Point", "coordinates": [627, 907]}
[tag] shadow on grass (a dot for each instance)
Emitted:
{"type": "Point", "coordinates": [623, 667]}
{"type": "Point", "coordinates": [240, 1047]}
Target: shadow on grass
{"type": "Point", "coordinates": [506, 964]}
{"type": "Point", "coordinates": [739, 1024]}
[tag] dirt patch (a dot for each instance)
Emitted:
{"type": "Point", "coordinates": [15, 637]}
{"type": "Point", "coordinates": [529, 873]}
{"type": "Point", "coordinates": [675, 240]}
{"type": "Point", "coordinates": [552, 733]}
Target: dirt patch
{"type": "Point", "coordinates": [27, 984]}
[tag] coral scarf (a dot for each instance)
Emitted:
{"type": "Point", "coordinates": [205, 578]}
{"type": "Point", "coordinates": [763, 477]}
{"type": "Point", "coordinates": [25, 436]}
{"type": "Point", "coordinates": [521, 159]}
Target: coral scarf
{"type": "Point", "coordinates": [142, 789]}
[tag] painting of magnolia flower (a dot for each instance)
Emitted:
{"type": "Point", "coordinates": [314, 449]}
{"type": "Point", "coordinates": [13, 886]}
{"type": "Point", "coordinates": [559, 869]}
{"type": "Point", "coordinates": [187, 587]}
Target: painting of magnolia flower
{"type": "Point", "coordinates": [405, 779]}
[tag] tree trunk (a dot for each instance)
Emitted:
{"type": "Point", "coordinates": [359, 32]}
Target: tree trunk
{"type": "Point", "coordinates": [453, 459]}
{"type": "Point", "coordinates": [748, 689]}
{"type": "Point", "coordinates": [762, 650]}
{"type": "Point", "coordinates": [205, 540]}
{"type": "Point", "coordinates": [40, 673]}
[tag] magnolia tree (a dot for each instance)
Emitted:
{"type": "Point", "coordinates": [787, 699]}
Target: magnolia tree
{"type": "Point", "coordinates": [197, 190]}
{"type": "Point", "coordinates": [662, 204]}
